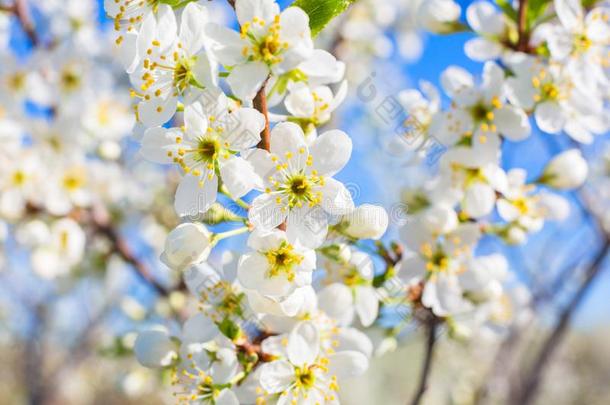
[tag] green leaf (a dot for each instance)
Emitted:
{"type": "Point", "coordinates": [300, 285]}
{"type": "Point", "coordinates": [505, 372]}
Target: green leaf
{"type": "Point", "coordinates": [176, 3]}
{"type": "Point", "coordinates": [507, 7]}
{"type": "Point", "coordinates": [535, 10]}
{"type": "Point", "coordinates": [229, 328]}
{"type": "Point", "coordinates": [321, 12]}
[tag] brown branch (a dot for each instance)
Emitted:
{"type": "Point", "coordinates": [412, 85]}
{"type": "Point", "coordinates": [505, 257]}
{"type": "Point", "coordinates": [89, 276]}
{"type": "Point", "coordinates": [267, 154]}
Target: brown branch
{"type": "Point", "coordinates": [22, 12]}
{"type": "Point", "coordinates": [101, 221]}
{"type": "Point", "coordinates": [427, 366]}
{"type": "Point", "coordinates": [523, 39]}
{"type": "Point", "coordinates": [260, 103]}
{"type": "Point", "coordinates": [532, 380]}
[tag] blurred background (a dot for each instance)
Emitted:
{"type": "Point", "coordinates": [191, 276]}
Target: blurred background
{"type": "Point", "coordinates": [74, 293]}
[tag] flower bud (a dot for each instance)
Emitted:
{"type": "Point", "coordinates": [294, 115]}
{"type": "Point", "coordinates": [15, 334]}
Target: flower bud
{"type": "Point", "coordinates": [565, 171]}
{"type": "Point", "coordinates": [186, 245]}
{"type": "Point", "coordinates": [439, 16]}
{"type": "Point", "coordinates": [366, 222]}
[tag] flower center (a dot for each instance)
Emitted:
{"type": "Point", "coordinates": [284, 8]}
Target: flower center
{"type": "Point", "coordinates": [479, 112]}
{"type": "Point", "coordinates": [300, 189]}
{"type": "Point", "coordinates": [437, 260]}
{"type": "Point", "coordinates": [522, 205]}
{"type": "Point", "coordinates": [282, 260]}
{"type": "Point", "coordinates": [267, 49]}
{"type": "Point", "coordinates": [183, 73]}
{"type": "Point", "coordinates": [299, 186]}
{"type": "Point", "coordinates": [73, 180]}
{"type": "Point", "coordinates": [582, 43]}
{"type": "Point", "coordinates": [19, 178]}
{"type": "Point", "coordinates": [16, 81]}
{"type": "Point", "coordinates": [305, 378]}
{"type": "Point", "coordinates": [207, 150]}
{"type": "Point", "coordinates": [70, 80]}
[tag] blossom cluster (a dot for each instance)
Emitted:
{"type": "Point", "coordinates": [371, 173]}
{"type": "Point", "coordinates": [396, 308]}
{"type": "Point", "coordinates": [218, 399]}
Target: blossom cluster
{"type": "Point", "coordinates": [237, 112]}
{"type": "Point", "coordinates": [556, 74]}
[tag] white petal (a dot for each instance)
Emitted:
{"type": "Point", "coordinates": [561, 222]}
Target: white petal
{"type": "Point", "coordinates": [238, 176]}
{"type": "Point", "coordinates": [153, 348]}
{"type": "Point", "coordinates": [276, 376]}
{"type": "Point", "coordinates": [549, 117]}
{"type": "Point", "coordinates": [265, 213]}
{"type": "Point", "coordinates": [307, 226]}
{"type": "Point", "coordinates": [336, 198]}
{"type": "Point", "coordinates": [367, 305]}
{"type": "Point", "coordinates": [512, 122]}
{"type": "Point", "coordinates": [479, 200]}
{"type": "Point", "coordinates": [246, 10]}
{"type": "Point", "coordinates": [347, 364]}
{"type": "Point", "coordinates": [157, 142]}
{"type": "Point", "coordinates": [199, 329]}
{"type": "Point", "coordinates": [482, 49]}
{"type": "Point", "coordinates": [336, 300]}
{"type": "Point", "coordinates": [244, 128]}
{"type": "Point", "coordinates": [226, 397]}
{"type": "Point", "coordinates": [195, 120]}
{"type": "Point", "coordinates": [485, 18]}
{"type": "Point", "coordinates": [570, 13]}
{"type": "Point", "coordinates": [157, 111]}
{"type": "Point", "coordinates": [194, 20]}
{"type": "Point", "coordinates": [454, 79]}
{"type": "Point", "coordinates": [287, 137]}
{"type": "Point", "coordinates": [245, 80]}
{"type": "Point", "coordinates": [331, 152]}
{"type": "Point", "coordinates": [303, 344]}
{"type": "Point", "coordinates": [193, 198]}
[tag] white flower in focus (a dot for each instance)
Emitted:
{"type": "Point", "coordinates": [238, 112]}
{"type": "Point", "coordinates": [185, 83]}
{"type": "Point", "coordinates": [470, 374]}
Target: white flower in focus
{"type": "Point", "coordinates": [187, 244]}
{"type": "Point", "coordinates": [206, 149]}
{"type": "Point", "coordinates": [306, 375]}
{"type": "Point", "coordinates": [276, 267]}
{"type": "Point", "coordinates": [171, 62]}
{"type": "Point", "coordinates": [568, 170]}
{"type": "Point", "coordinates": [298, 183]}
{"type": "Point", "coordinates": [269, 42]}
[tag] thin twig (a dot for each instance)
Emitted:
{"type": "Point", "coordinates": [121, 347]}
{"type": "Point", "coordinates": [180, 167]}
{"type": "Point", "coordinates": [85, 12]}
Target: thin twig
{"type": "Point", "coordinates": [260, 103]}
{"type": "Point", "coordinates": [532, 380]}
{"type": "Point", "coordinates": [427, 366]}
{"type": "Point", "coordinates": [101, 221]}
{"type": "Point", "coordinates": [522, 26]}
{"type": "Point", "coordinates": [22, 13]}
